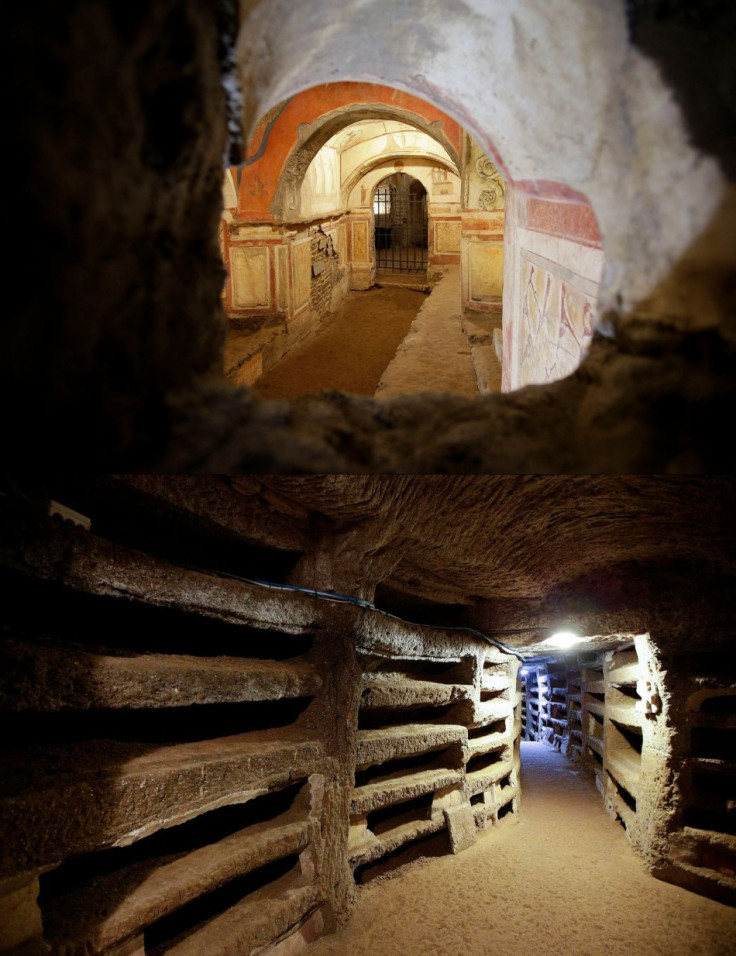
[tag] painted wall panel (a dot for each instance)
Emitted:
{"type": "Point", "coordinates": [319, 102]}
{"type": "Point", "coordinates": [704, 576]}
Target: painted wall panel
{"type": "Point", "coordinates": [302, 273]}
{"type": "Point", "coordinates": [250, 276]}
{"type": "Point", "coordinates": [282, 278]}
{"type": "Point", "coordinates": [485, 270]}
{"type": "Point", "coordinates": [360, 242]}
{"type": "Point", "coordinates": [555, 291]}
{"type": "Point", "coordinates": [447, 236]}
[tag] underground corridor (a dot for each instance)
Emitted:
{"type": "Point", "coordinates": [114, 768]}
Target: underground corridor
{"type": "Point", "coordinates": [353, 353]}
{"type": "Point", "coordinates": [331, 223]}
{"type": "Point", "coordinates": [393, 339]}
{"type": "Point", "coordinates": [398, 714]}
{"type": "Point", "coordinates": [563, 879]}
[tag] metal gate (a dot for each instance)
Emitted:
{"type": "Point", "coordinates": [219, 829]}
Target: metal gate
{"type": "Point", "coordinates": [400, 216]}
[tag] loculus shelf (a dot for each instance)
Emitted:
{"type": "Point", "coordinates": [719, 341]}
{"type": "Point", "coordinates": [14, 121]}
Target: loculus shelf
{"type": "Point", "coordinates": [153, 889]}
{"type": "Point", "coordinates": [149, 788]}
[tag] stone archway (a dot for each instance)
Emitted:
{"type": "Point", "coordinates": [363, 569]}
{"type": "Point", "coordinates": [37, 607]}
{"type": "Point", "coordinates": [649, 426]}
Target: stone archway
{"type": "Point", "coordinates": [313, 136]}
{"type": "Point", "coordinates": [439, 180]}
{"type": "Point", "coordinates": [535, 59]}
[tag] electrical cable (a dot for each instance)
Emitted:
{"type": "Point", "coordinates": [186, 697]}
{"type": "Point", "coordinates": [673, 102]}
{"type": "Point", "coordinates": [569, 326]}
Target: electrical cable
{"type": "Point", "coordinates": [370, 606]}
{"type": "Point", "coordinates": [337, 598]}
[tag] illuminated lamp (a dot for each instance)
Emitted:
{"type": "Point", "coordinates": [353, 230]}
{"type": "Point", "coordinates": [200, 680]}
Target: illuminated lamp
{"type": "Point", "coordinates": [563, 639]}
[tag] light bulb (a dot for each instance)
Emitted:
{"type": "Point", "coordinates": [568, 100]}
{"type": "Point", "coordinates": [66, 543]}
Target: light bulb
{"type": "Point", "coordinates": [563, 639]}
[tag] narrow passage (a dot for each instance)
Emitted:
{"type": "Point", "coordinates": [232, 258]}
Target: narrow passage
{"type": "Point", "coordinates": [564, 880]}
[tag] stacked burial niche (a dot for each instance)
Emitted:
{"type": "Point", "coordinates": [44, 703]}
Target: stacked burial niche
{"type": "Point", "coordinates": [196, 763]}
{"type": "Point", "coordinates": [659, 738]}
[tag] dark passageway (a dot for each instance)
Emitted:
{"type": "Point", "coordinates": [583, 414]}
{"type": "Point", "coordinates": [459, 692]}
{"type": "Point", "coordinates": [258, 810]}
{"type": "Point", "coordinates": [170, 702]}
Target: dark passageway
{"type": "Point", "coordinates": [562, 880]}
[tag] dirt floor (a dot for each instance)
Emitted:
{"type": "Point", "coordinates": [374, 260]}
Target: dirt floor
{"type": "Point", "coordinates": [563, 880]}
{"type": "Point", "coordinates": [352, 352]}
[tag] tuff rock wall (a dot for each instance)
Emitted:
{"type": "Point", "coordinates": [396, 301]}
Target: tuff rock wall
{"type": "Point", "coordinates": [193, 763]}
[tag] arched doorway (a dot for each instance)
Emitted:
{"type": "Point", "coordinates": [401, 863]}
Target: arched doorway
{"type": "Point", "coordinates": [400, 224]}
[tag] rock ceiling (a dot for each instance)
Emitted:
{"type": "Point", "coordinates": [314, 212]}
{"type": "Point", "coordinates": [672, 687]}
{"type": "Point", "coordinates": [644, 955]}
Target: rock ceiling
{"type": "Point", "coordinates": [512, 555]}
{"type": "Point", "coordinates": [505, 552]}
{"type": "Point", "coordinates": [504, 536]}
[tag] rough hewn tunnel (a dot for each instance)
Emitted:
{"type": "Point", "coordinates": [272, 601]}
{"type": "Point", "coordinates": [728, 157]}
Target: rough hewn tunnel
{"type": "Point", "coordinates": [232, 703]}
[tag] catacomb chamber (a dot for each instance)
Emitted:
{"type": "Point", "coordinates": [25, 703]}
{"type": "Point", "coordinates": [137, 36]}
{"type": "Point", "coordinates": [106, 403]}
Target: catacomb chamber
{"type": "Point", "coordinates": [607, 710]}
{"type": "Point", "coordinates": [206, 750]}
{"type": "Point", "coordinates": [199, 764]}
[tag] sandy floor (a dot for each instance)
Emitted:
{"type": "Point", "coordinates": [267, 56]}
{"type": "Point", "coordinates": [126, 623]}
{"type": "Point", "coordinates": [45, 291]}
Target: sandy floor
{"type": "Point", "coordinates": [562, 881]}
{"type": "Point", "coordinates": [387, 341]}
{"type": "Point", "coordinates": [435, 355]}
{"type": "Point", "coordinates": [352, 353]}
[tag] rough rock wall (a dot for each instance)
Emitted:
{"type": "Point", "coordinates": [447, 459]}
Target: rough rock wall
{"type": "Point", "coordinates": [694, 843]}
{"type": "Point", "coordinates": [657, 732]}
{"type": "Point", "coordinates": [194, 764]}
{"type": "Point", "coordinates": [118, 118]}
{"type": "Point", "coordinates": [325, 273]}
{"type": "Point", "coordinates": [693, 47]}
